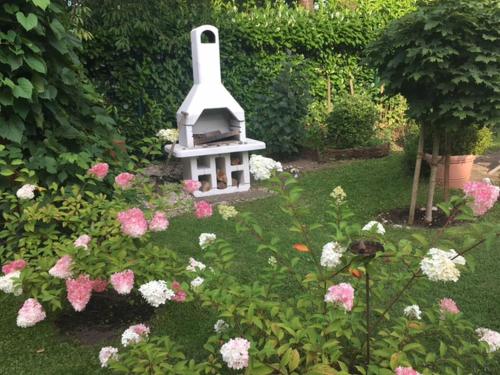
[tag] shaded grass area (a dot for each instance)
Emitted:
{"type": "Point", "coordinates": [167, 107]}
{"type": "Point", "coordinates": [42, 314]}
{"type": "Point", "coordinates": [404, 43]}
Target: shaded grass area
{"type": "Point", "coordinates": [372, 186]}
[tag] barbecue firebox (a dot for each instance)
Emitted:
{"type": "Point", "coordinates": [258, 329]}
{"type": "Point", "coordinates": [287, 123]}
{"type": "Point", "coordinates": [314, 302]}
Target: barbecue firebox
{"type": "Point", "coordinates": [211, 123]}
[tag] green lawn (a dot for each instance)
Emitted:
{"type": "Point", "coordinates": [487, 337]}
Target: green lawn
{"type": "Point", "coordinates": [372, 186]}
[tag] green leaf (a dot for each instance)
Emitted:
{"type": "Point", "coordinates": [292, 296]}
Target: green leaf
{"type": "Point", "coordinates": [36, 64]}
{"type": "Point", "coordinates": [41, 3]}
{"type": "Point", "coordinates": [294, 360]}
{"type": "Point", "coordinates": [24, 88]}
{"type": "Point", "coordinates": [29, 22]}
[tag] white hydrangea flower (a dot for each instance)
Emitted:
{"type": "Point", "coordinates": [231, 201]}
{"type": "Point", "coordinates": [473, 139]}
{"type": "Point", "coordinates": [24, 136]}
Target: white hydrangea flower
{"type": "Point", "coordinates": [379, 228]}
{"type": "Point", "coordinates": [492, 338]}
{"type": "Point", "coordinates": [272, 261]}
{"type": "Point", "coordinates": [338, 194]}
{"type": "Point", "coordinates": [7, 283]}
{"type": "Point", "coordinates": [331, 254]}
{"type": "Point", "coordinates": [262, 167]}
{"type": "Point", "coordinates": [107, 353]}
{"type": "Point", "coordinates": [26, 192]}
{"type": "Point", "coordinates": [206, 239]}
{"type": "Point", "coordinates": [195, 283]}
{"type": "Point", "coordinates": [220, 326]}
{"type": "Point", "coordinates": [227, 212]}
{"type": "Point", "coordinates": [413, 312]}
{"type": "Point", "coordinates": [235, 353]}
{"type": "Point", "coordinates": [440, 265]}
{"type": "Point", "coordinates": [156, 292]}
{"type": "Point", "coordinates": [195, 265]}
{"type": "Point", "coordinates": [169, 135]}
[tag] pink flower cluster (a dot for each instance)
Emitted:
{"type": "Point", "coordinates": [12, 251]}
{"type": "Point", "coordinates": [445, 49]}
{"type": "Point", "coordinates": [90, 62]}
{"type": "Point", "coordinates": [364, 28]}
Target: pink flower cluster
{"type": "Point", "coordinates": [235, 353]}
{"type": "Point", "coordinates": [447, 305]}
{"type": "Point", "coordinates": [124, 180]}
{"type": "Point", "coordinates": [15, 265]}
{"type": "Point", "coordinates": [82, 241]}
{"type": "Point", "coordinates": [133, 222]}
{"type": "Point", "coordinates": [406, 371]}
{"type": "Point", "coordinates": [30, 313]}
{"type": "Point", "coordinates": [191, 186]}
{"type": "Point", "coordinates": [99, 171]}
{"type": "Point", "coordinates": [342, 294]}
{"type": "Point", "coordinates": [79, 291]}
{"type": "Point", "coordinates": [203, 209]}
{"type": "Point", "coordinates": [99, 285]}
{"type": "Point", "coordinates": [62, 268]}
{"type": "Point", "coordinates": [484, 195]}
{"type": "Point", "coordinates": [159, 222]}
{"type": "Point", "coordinates": [180, 294]}
{"type": "Point", "coordinates": [123, 282]}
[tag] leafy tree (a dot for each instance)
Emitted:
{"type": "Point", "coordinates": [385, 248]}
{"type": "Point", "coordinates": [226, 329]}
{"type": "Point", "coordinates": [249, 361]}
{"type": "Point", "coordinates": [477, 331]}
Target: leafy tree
{"type": "Point", "coordinates": [443, 58]}
{"type": "Point", "coordinates": [48, 108]}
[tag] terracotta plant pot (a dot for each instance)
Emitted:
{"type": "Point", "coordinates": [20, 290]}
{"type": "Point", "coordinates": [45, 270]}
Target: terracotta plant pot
{"type": "Point", "coordinates": [460, 170]}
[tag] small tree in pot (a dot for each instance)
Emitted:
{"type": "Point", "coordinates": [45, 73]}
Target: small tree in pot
{"type": "Point", "coordinates": [444, 59]}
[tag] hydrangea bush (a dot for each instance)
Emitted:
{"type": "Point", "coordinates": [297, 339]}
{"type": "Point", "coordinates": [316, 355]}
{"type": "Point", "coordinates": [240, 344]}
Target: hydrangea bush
{"type": "Point", "coordinates": [342, 303]}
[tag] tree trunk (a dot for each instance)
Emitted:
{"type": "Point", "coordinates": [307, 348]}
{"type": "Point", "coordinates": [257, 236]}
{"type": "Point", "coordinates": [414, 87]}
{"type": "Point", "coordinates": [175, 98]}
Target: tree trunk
{"type": "Point", "coordinates": [308, 4]}
{"type": "Point", "coordinates": [446, 167]}
{"type": "Point", "coordinates": [432, 180]}
{"type": "Point", "coordinates": [416, 177]}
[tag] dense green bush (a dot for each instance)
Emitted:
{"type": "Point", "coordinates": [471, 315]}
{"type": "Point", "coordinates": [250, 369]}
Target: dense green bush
{"type": "Point", "coordinates": [48, 108]}
{"type": "Point", "coordinates": [352, 121]}
{"type": "Point", "coordinates": [144, 66]}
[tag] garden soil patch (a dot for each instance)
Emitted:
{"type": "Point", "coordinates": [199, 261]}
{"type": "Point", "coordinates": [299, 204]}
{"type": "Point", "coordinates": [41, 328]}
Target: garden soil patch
{"type": "Point", "coordinates": [399, 216]}
{"type": "Point", "coordinates": [105, 318]}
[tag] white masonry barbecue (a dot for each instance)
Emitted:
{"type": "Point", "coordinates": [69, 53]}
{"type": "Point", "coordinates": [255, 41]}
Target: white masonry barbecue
{"type": "Point", "coordinates": [211, 123]}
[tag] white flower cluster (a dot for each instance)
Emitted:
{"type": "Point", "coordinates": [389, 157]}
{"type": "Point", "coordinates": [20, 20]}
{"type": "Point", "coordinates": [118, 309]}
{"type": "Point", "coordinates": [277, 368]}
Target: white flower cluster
{"type": "Point", "coordinates": [206, 239]}
{"type": "Point", "coordinates": [413, 312]}
{"type": "Point", "coordinates": [235, 353]}
{"type": "Point", "coordinates": [26, 192]}
{"type": "Point", "coordinates": [107, 353]}
{"type": "Point", "coordinates": [440, 265]}
{"type": "Point", "coordinates": [169, 135]}
{"type": "Point", "coordinates": [379, 228]}
{"type": "Point", "coordinates": [195, 283]}
{"type": "Point", "coordinates": [339, 195]}
{"type": "Point", "coordinates": [156, 292]}
{"type": "Point", "coordinates": [492, 338]}
{"type": "Point", "coordinates": [262, 167]}
{"type": "Point", "coordinates": [220, 326]}
{"type": "Point", "coordinates": [272, 261]}
{"type": "Point", "coordinates": [129, 337]}
{"type": "Point", "coordinates": [195, 265]}
{"type": "Point", "coordinates": [331, 255]}
{"type": "Point", "coordinates": [7, 283]}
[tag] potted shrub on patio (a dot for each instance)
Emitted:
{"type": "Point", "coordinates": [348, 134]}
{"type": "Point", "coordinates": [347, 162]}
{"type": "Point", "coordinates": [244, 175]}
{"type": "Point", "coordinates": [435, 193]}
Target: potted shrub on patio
{"type": "Point", "coordinates": [443, 58]}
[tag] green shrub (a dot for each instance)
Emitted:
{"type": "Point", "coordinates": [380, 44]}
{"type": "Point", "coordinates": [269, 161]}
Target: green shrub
{"type": "Point", "coordinates": [48, 108]}
{"type": "Point", "coordinates": [352, 121]}
{"type": "Point", "coordinates": [283, 111]}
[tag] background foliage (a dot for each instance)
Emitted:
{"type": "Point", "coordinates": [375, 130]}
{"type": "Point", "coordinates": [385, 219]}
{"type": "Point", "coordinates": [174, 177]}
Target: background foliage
{"type": "Point", "coordinates": [50, 114]}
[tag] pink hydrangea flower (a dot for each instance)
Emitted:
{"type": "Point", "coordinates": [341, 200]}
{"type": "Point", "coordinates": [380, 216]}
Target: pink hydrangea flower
{"type": "Point", "coordinates": [447, 305]}
{"type": "Point", "coordinates": [30, 313]}
{"type": "Point", "coordinates": [15, 265]}
{"type": "Point", "coordinates": [106, 354]}
{"type": "Point", "coordinates": [79, 291]}
{"type": "Point", "coordinates": [235, 353]}
{"type": "Point", "coordinates": [99, 171]}
{"type": "Point", "coordinates": [124, 180]}
{"type": "Point", "coordinates": [133, 222]}
{"type": "Point", "coordinates": [190, 186]}
{"type": "Point", "coordinates": [62, 268]}
{"type": "Point", "coordinates": [180, 294]}
{"type": "Point", "coordinates": [99, 285]}
{"type": "Point", "coordinates": [342, 294]}
{"type": "Point", "coordinates": [159, 222]}
{"type": "Point", "coordinates": [134, 334]}
{"type": "Point", "coordinates": [123, 282]}
{"type": "Point", "coordinates": [406, 371]}
{"type": "Point", "coordinates": [203, 209]}
{"type": "Point", "coordinates": [82, 241]}
{"type": "Point", "coordinates": [484, 195]}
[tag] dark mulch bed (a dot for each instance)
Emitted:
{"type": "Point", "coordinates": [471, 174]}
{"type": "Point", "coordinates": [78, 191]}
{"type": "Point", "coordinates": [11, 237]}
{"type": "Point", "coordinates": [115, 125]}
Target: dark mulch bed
{"type": "Point", "coordinates": [399, 216]}
{"type": "Point", "coordinates": [105, 318]}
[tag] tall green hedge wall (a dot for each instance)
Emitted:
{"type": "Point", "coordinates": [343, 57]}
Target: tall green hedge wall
{"type": "Point", "coordinates": [140, 55]}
